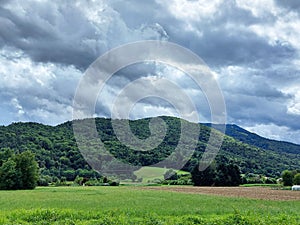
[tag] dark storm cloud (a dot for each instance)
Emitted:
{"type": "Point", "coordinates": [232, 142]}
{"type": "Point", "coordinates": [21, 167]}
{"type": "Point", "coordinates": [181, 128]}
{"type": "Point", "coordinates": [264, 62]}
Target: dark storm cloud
{"type": "Point", "coordinates": [62, 34]}
{"type": "Point", "coordinates": [243, 110]}
{"type": "Point", "coordinates": [136, 12]}
{"type": "Point", "coordinates": [227, 39]}
{"type": "Point", "coordinates": [49, 34]}
{"type": "Point", "coordinates": [289, 4]}
{"type": "Point", "coordinates": [63, 38]}
{"type": "Point", "coordinates": [233, 47]}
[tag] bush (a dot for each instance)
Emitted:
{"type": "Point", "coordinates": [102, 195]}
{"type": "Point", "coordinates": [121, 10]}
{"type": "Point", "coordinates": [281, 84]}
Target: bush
{"type": "Point", "coordinates": [184, 179]}
{"type": "Point", "coordinates": [44, 180]}
{"type": "Point", "coordinates": [114, 183]}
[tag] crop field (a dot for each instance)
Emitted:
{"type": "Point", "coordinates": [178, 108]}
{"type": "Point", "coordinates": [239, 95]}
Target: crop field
{"type": "Point", "coordinates": [140, 205]}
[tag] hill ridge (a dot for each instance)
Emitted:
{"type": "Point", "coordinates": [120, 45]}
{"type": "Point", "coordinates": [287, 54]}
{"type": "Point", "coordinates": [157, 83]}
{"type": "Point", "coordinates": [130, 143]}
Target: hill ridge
{"type": "Point", "coordinates": [58, 155]}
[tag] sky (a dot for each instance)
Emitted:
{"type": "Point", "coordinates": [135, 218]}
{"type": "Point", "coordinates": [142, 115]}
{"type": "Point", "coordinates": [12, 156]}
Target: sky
{"type": "Point", "coordinates": [251, 47]}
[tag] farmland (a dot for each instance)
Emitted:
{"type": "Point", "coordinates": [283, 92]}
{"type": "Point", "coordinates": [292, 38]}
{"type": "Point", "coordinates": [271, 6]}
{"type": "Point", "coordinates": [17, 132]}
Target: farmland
{"type": "Point", "coordinates": [262, 193]}
{"type": "Point", "coordinates": [139, 205]}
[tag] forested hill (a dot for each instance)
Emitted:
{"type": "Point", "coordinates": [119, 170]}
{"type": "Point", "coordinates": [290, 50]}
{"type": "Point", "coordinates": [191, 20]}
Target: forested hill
{"type": "Point", "coordinates": [58, 155]}
{"type": "Point", "coordinates": [247, 137]}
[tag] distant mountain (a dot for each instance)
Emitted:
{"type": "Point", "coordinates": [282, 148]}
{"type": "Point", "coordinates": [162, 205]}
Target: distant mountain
{"type": "Point", "coordinates": [253, 139]}
{"type": "Point", "coordinates": [58, 155]}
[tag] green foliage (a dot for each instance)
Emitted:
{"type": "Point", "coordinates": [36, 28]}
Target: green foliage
{"type": "Point", "coordinates": [290, 177]}
{"type": "Point", "coordinates": [69, 174]}
{"type": "Point", "coordinates": [58, 156]}
{"type": "Point", "coordinates": [170, 175]}
{"type": "Point", "coordinates": [253, 139]}
{"type": "Point", "coordinates": [5, 154]}
{"type": "Point", "coordinates": [27, 167]}
{"type": "Point", "coordinates": [19, 171]}
{"type": "Point", "coordinates": [70, 217]}
{"type": "Point", "coordinates": [205, 177]}
{"type": "Point", "coordinates": [225, 174]}
{"type": "Point", "coordinates": [287, 178]}
{"type": "Point", "coordinates": [8, 175]}
{"type": "Point", "coordinates": [251, 178]}
{"type": "Point", "coordinates": [103, 181]}
{"type": "Point", "coordinates": [44, 180]}
{"type": "Point", "coordinates": [182, 179]}
{"type": "Point", "coordinates": [297, 179]}
{"type": "Point", "coordinates": [228, 175]}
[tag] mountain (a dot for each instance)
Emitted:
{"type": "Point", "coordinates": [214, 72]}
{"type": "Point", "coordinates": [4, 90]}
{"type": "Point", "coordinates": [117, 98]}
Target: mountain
{"type": "Point", "coordinates": [253, 139]}
{"type": "Point", "coordinates": [58, 155]}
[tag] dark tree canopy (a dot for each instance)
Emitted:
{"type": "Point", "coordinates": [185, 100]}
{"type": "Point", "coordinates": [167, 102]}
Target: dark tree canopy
{"type": "Point", "coordinates": [290, 177]}
{"type": "Point", "coordinates": [203, 178]}
{"type": "Point", "coordinates": [287, 178]}
{"type": "Point", "coordinates": [228, 175]}
{"type": "Point", "coordinates": [297, 179]}
{"type": "Point", "coordinates": [18, 171]}
{"type": "Point", "coordinates": [222, 175]}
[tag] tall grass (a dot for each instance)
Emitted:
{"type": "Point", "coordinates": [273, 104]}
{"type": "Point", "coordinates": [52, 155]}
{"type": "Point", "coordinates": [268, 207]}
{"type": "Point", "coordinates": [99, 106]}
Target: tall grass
{"type": "Point", "coordinates": [130, 205]}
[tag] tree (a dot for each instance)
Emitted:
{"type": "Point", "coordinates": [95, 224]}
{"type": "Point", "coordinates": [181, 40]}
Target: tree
{"type": "Point", "coordinates": [287, 178]}
{"type": "Point", "coordinates": [228, 175]}
{"type": "Point", "coordinates": [5, 154]}
{"type": "Point", "coordinates": [19, 171]}
{"type": "Point", "coordinates": [69, 174]}
{"type": "Point", "coordinates": [203, 178]}
{"type": "Point", "coordinates": [297, 179]}
{"type": "Point", "coordinates": [28, 168]}
{"type": "Point", "coordinates": [8, 175]}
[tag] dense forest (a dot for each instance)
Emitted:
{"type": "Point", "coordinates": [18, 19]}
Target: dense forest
{"type": "Point", "coordinates": [58, 156]}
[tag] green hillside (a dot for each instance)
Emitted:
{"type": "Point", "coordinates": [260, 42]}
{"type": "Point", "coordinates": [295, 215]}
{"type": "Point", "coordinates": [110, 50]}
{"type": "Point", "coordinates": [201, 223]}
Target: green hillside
{"type": "Point", "coordinates": [58, 155]}
{"type": "Point", "coordinates": [253, 139]}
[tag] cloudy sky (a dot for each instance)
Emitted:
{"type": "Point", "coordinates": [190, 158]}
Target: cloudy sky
{"type": "Point", "coordinates": [251, 47]}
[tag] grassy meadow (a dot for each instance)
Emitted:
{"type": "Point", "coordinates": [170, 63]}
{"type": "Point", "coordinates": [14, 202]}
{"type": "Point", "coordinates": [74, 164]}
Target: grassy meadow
{"type": "Point", "coordinates": [133, 205]}
{"type": "Point", "coordinates": [149, 173]}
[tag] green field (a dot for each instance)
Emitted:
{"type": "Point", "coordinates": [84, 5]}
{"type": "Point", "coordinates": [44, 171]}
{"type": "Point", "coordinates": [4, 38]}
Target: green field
{"type": "Point", "coordinates": [151, 173]}
{"type": "Point", "coordinates": [132, 205]}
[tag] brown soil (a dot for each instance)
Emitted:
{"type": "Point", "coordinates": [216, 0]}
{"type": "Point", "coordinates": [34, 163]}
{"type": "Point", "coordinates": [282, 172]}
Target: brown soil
{"type": "Point", "coordinates": [265, 193]}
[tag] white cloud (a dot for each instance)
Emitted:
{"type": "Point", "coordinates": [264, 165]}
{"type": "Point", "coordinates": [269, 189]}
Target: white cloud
{"type": "Point", "coordinates": [17, 105]}
{"type": "Point", "coordinates": [192, 10]}
{"type": "Point", "coordinates": [18, 71]}
{"type": "Point", "coordinates": [259, 8]}
{"type": "Point", "coordinates": [275, 132]}
{"type": "Point", "coordinates": [35, 91]}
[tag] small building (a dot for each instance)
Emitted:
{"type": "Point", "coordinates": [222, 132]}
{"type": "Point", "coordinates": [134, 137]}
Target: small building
{"type": "Point", "coordinates": [296, 187]}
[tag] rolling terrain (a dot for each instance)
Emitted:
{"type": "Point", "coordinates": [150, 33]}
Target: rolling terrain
{"type": "Point", "coordinates": [58, 155]}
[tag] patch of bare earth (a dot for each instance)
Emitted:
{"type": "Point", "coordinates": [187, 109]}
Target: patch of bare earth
{"type": "Point", "coordinates": [242, 192]}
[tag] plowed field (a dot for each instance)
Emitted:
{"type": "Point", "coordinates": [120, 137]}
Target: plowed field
{"type": "Point", "coordinates": [265, 193]}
